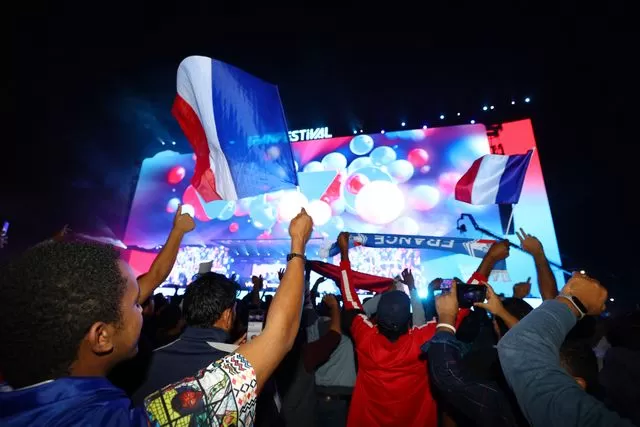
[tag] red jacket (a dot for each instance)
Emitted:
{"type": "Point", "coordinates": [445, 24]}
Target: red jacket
{"type": "Point", "coordinates": [392, 386]}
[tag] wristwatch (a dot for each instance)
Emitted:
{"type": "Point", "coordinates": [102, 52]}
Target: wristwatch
{"type": "Point", "coordinates": [576, 303]}
{"type": "Point", "coordinates": [294, 255]}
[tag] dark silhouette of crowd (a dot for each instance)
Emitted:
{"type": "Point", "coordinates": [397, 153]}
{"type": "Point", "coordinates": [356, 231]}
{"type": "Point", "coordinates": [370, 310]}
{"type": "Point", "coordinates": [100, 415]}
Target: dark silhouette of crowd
{"type": "Point", "coordinates": [84, 342]}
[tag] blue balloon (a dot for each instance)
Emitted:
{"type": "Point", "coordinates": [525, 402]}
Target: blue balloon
{"type": "Point", "coordinates": [263, 215]}
{"type": "Point", "coordinates": [227, 211]}
{"type": "Point", "coordinates": [382, 155]}
{"type": "Point", "coordinates": [361, 145]}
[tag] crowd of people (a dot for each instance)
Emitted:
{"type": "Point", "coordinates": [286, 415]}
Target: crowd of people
{"type": "Point", "coordinates": [189, 258]}
{"type": "Point", "coordinates": [86, 343]}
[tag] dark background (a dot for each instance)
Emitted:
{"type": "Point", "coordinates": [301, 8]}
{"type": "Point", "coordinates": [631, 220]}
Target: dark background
{"type": "Point", "coordinates": [87, 98]}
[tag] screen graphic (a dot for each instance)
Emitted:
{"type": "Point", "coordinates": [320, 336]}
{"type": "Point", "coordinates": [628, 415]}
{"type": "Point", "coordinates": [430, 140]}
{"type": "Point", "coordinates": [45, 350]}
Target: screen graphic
{"type": "Point", "coordinates": [394, 183]}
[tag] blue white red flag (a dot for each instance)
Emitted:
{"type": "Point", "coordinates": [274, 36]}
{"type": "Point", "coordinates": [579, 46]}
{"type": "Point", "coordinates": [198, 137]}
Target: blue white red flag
{"type": "Point", "coordinates": [236, 125]}
{"type": "Point", "coordinates": [494, 179]}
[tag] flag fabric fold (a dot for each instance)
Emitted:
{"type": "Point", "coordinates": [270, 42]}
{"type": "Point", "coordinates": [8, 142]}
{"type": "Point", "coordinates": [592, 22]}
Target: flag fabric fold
{"type": "Point", "coordinates": [236, 125]}
{"type": "Point", "coordinates": [494, 179]}
{"type": "Point", "coordinates": [360, 280]}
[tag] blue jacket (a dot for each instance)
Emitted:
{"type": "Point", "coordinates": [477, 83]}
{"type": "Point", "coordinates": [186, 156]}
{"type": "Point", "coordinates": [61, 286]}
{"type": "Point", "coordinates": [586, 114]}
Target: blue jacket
{"type": "Point", "coordinates": [71, 401]}
{"type": "Point", "coordinates": [547, 394]}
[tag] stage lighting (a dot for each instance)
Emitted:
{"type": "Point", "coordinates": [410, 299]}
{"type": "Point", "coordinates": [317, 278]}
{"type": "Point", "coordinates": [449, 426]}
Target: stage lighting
{"type": "Point", "coordinates": [485, 108]}
{"type": "Point", "coordinates": [611, 299]}
{"type": "Point", "coordinates": [424, 127]}
{"type": "Point", "coordinates": [441, 116]}
{"type": "Point", "coordinates": [492, 107]}
{"type": "Point", "coordinates": [458, 114]}
{"type": "Point", "coordinates": [513, 102]}
{"type": "Point", "coordinates": [173, 143]}
{"type": "Point", "coordinates": [162, 142]}
{"type": "Point", "coordinates": [473, 122]}
{"type": "Point", "coordinates": [382, 131]}
{"type": "Point", "coordinates": [360, 130]}
{"type": "Point", "coordinates": [355, 131]}
{"type": "Point", "coordinates": [527, 99]}
{"type": "Point", "coordinates": [403, 124]}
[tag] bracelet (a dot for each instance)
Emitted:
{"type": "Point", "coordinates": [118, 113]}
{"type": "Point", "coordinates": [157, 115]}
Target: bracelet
{"type": "Point", "coordinates": [568, 298]}
{"type": "Point", "coordinates": [447, 326]}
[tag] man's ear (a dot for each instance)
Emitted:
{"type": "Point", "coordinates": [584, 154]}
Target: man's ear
{"type": "Point", "coordinates": [581, 382]}
{"type": "Point", "coordinates": [100, 338]}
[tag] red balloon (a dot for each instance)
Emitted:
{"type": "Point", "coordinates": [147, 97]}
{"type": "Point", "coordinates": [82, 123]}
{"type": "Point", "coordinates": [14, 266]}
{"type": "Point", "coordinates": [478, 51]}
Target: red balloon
{"type": "Point", "coordinates": [190, 197]}
{"type": "Point", "coordinates": [233, 227]}
{"type": "Point", "coordinates": [418, 157]}
{"type": "Point", "coordinates": [355, 183]}
{"type": "Point", "coordinates": [176, 174]}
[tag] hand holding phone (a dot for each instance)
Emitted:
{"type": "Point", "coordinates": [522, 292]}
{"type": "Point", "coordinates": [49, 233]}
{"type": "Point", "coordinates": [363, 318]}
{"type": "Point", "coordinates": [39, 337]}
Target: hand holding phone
{"type": "Point", "coordinates": [466, 293]}
{"type": "Point", "coordinates": [256, 324]}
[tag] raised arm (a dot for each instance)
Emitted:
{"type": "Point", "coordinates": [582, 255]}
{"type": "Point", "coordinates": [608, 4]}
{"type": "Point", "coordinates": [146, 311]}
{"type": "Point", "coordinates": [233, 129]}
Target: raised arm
{"type": "Point", "coordinates": [267, 350]}
{"type": "Point", "coordinates": [529, 356]}
{"type": "Point", "coordinates": [495, 307]}
{"type": "Point", "coordinates": [349, 295]}
{"type": "Point", "coordinates": [546, 280]}
{"type": "Point", "coordinates": [482, 401]}
{"type": "Point", "coordinates": [417, 309]}
{"type": "Point", "coordinates": [162, 265]}
{"type": "Point", "coordinates": [497, 252]}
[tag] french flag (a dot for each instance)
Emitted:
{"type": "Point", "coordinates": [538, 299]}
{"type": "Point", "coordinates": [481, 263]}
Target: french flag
{"type": "Point", "coordinates": [236, 125]}
{"type": "Point", "coordinates": [494, 179]}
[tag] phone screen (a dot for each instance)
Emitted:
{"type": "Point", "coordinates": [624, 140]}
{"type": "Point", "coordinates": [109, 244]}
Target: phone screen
{"type": "Point", "coordinates": [445, 286]}
{"type": "Point", "coordinates": [256, 323]}
{"type": "Point", "coordinates": [469, 294]}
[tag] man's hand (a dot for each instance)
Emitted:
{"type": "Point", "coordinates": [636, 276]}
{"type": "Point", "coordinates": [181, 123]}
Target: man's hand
{"type": "Point", "coordinates": [522, 289]}
{"type": "Point", "coordinates": [300, 230]}
{"type": "Point", "coordinates": [280, 274]}
{"type": "Point", "coordinates": [343, 240]}
{"type": "Point", "coordinates": [493, 304]}
{"type": "Point", "coordinates": [588, 290]}
{"type": "Point", "coordinates": [407, 278]}
{"type": "Point", "coordinates": [529, 243]}
{"type": "Point", "coordinates": [331, 302]}
{"type": "Point", "coordinates": [447, 305]}
{"type": "Point", "coordinates": [258, 283]}
{"type": "Point", "coordinates": [499, 250]}
{"type": "Point", "coordinates": [183, 222]}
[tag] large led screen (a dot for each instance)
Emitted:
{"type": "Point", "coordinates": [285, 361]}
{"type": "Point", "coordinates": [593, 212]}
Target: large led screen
{"type": "Point", "coordinates": [395, 182]}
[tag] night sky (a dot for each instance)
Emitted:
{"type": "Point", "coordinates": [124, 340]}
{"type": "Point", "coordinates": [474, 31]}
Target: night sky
{"type": "Point", "coordinates": [89, 100]}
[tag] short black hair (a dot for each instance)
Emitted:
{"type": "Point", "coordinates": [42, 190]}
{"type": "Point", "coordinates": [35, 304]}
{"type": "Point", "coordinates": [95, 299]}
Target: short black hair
{"type": "Point", "coordinates": [51, 296]}
{"type": "Point", "coordinates": [580, 361]}
{"type": "Point", "coordinates": [207, 298]}
{"type": "Point", "coordinates": [516, 307]}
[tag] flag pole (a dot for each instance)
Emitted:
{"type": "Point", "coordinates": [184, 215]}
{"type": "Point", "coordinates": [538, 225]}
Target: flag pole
{"type": "Point", "coordinates": [506, 233]}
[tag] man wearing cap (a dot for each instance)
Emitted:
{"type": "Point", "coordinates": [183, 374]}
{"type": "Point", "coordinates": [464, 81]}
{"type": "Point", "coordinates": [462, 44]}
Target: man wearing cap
{"type": "Point", "coordinates": [392, 386]}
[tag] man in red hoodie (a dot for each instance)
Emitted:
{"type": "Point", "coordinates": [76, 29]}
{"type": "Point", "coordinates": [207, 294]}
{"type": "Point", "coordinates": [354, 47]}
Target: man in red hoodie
{"type": "Point", "coordinates": [392, 386]}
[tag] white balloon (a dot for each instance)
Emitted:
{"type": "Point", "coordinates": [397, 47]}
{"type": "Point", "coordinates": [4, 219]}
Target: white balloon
{"type": "Point", "coordinates": [290, 205]}
{"type": "Point", "coordinates": [319, 211]}
{"type": "Point", "coordinates": [314, 166]}
{"type": "Point", "coordinates": [380, 202]}
{"type": "Point", "coordinates": [334, 162]}
{"type": "Point", "coordinates": [400, 170]}
{"type": "Point", "coordinates": [358, 163]}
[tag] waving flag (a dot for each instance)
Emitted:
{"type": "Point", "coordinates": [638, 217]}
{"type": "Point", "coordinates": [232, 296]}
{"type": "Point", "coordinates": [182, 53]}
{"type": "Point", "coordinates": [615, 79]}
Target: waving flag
{"type": "Point", "coordinates": [236, 126]}
{"type": "Point", "coordinates": [494, 179]}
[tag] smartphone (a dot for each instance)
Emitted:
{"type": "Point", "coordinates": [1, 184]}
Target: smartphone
{"type": "Point", "coordinates": [467, 294]}
{"type": "Point", "coordinates": [5, 228]}
{"type": "Point", "coordinates": [445, 286]}
{"type": "Point", "coordinates": [256, 323]}
{"type": "Point", "coordinates": [189, 210]}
